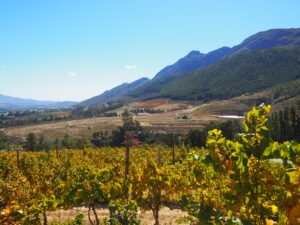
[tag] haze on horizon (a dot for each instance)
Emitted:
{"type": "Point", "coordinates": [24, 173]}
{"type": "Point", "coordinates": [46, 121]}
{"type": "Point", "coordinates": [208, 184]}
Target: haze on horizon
{"type": "Point", "coordinates": [73, 50]}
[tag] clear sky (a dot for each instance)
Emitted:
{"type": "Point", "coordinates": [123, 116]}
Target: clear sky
{"type": "Point", "coordinates": [76, 49]}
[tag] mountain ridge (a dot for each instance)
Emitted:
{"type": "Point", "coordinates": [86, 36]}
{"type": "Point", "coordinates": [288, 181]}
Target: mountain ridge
{"type": "Point", "coordinates": [261, 40]}
{"type": "Point", "coordinates": [231, 76]}
{"type": "Point", "coordinates": [196, 60]}
{"type": "Point", "coordinates": [9, 102]}
{"type": "Point", "coordinates": [114, 93]}
{"type": "Point", "coordinates": [193, 60]}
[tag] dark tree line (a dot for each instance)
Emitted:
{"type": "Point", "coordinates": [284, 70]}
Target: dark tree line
{"type": "Point", "coordinates": [9, 142]}
{"type": "Point", "coordinates": [194, 138]}
{"type": "Point", "coordinates": [285, 125]}
{"type": "Point", "coordinates": [40, 142]}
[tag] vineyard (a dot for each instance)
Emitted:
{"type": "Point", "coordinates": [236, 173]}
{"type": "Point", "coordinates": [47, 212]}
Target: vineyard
{"type": "Point", "coordinates": [250, 181]}
{"type": "Point", "coordinates": [151, 104]}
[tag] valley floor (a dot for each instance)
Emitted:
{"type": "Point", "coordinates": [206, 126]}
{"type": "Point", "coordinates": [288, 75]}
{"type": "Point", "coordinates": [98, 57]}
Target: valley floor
{"type": "Point", "coordinates": [166, 121]}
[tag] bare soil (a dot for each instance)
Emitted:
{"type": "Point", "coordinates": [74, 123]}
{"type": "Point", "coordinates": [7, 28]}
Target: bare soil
{"type": "Point", "coordinates": [167, 216]}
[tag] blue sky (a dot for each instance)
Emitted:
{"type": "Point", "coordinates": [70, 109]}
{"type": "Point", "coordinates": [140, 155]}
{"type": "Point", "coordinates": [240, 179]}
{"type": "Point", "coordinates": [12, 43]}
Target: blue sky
{"type": "Point", "coordinates": [76, 49]}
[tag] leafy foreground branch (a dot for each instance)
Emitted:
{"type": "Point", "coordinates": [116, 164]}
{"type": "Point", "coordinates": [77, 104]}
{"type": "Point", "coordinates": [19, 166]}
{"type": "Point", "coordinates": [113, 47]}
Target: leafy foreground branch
{"type": "Point", "coordinates": [250, 181]}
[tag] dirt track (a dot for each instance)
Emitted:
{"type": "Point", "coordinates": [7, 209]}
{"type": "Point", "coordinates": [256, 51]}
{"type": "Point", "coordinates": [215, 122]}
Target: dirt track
{"type": "Point", "coordinates": [167, 216]}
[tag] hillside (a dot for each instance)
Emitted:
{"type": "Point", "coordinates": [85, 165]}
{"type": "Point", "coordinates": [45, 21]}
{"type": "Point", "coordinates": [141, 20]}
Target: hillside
{"type": "Point", "coordinates": [262, 40]}
{"type": "Point", "coordinates": [269, 39]}
{"type": "Point", "coordinates": [194, 61]}
{"type": "Point", "coordinates": [114, 93]}
{"type": "Point", "coordinates": [280, 96]}
{"type": "Point", "coordinates": [233, 76]}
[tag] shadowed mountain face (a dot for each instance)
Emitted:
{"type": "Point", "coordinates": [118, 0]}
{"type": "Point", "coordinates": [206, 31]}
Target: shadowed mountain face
{"type": "Point", "coordinates": [192, 61]}
{"type": "Point", "coordinates": [232, 76]}
{"type": "Point", "coordinates": [267, 39]}
{"type": "Point", "coordinates": [114, 93]}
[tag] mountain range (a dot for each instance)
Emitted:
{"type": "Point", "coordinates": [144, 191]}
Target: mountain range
{"type": "Point", "coordinates": [260, 61]}
{"type": "Point", "coordinates": [246, 72]}
{"type": "Point", "coordinates": [8, 103]}
{"type": "Point", "coordinates": [262, 40]}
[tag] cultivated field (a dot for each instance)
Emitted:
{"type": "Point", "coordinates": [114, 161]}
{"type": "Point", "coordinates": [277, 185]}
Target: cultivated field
{"type": "Point", "coordinates": [166, 121]}
{"type": "Point", "coordinates": [77, 128]}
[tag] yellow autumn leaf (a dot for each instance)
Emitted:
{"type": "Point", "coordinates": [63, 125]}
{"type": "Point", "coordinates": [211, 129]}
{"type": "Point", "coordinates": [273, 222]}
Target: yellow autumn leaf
{"type": "Point", "coordinates": [274, 209]}
{"type": "Point", "coordinates": [269, 222]}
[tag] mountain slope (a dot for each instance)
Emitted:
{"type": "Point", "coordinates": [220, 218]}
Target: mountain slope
{"type": "Point", "coordinates": [269, 39]}
{"type": "Point", "coordinates": [114, 93]}
{"type": "Point", "coordinates": [262, 40]}
{"type": "Point", "coordinates": [192, 61]}
{"type": "Point", "coordinates": [232, 76]}
{"type": "Point", "coordinates": [20, 102]}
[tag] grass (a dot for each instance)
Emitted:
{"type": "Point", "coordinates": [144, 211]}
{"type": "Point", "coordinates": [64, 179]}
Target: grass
{"type": "Point", "coordinates": [287, 103]}
{"type": "Point", "coordinates": [76, 128]}
{"type": "Point", "coordinates": [225, 107]}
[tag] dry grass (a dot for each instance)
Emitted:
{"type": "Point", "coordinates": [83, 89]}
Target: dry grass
{"type": "Point", "coordinates": [262, 94]}
{"type": "Point", "coordinates": [86, 127]}
{"type": "Point", "coordinates": [287, 103]}
{"type": "Point", "coordinates": [167, 216]}
{"type": "Point", "coordinates": [76, 128]}
{"type": "Point", "coordinates": [60, 114]}
{"type": "Point", "coordinates": [225, 107]}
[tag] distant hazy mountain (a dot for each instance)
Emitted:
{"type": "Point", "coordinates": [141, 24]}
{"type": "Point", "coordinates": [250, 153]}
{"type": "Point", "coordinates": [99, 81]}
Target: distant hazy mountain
{"type": "Point", "coordinates": [62, 104]}
{"type": "Point", "coordinates": [114, 93]}
{"type": "Point", "coordinates": [7, 102]}
{"type": "Point", "coordinates": [246, 72]}
{"type": "Point", "coordinates": [266, 39]}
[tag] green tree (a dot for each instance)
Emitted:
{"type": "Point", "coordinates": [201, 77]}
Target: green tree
{"type": "Point", "coordinates": [3, 140]}
{"type": "Point", "coordinates": [293, 121]}
{"type": "Point", "coordinates": [31, 143]}
{"type": "Point", "coordinates": [131, 129]}
{"type": "Point", "coordinates": [195, 138]}
{"type": "Point", "coordinates": [42, 143]}
{"type": "Point", "coordinates": [101, 139]}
